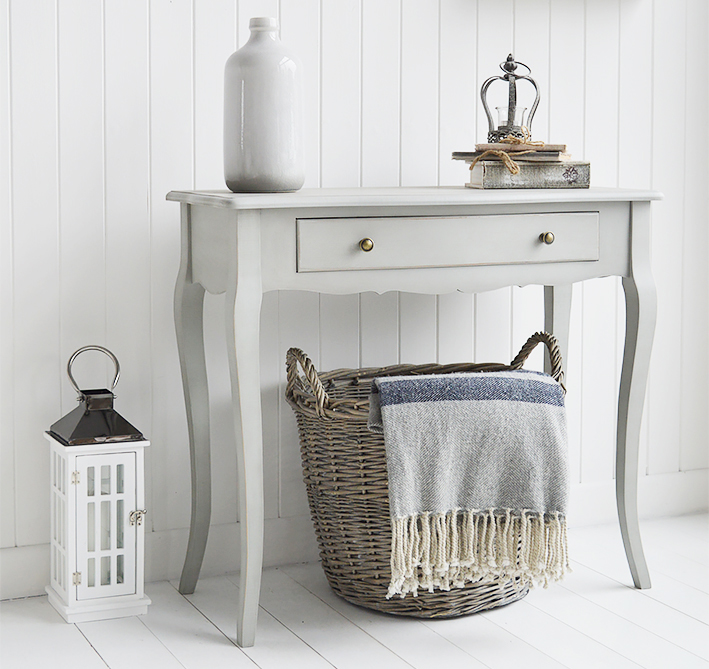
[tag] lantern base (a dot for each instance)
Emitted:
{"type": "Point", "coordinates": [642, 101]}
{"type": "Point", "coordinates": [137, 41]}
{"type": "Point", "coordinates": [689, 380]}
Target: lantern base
{"type": "Point", "coordinates": [99, 609]}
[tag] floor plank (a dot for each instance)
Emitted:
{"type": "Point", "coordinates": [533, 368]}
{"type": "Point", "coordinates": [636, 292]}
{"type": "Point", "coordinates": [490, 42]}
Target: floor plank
{"type": "Point", "coordinates": [634, 605]}
{"type": "Point", "coordinates": [620, 634]}
{"type": "Point", "coordinates": [126, 643]}
{"type": "Point", "coordinates": [25, 622]}
{"type": "Point", "coordinates": [394, 632]}
{"type": "Point", "coordinates": [329, 633]}
{"type": "Point", "coordinates": [275, 644]}
{"type": "Point", "coordinates": [187, 633]}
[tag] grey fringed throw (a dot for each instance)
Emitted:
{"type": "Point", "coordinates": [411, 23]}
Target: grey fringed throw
{"type": "Point", "coordinates": [478, 480]}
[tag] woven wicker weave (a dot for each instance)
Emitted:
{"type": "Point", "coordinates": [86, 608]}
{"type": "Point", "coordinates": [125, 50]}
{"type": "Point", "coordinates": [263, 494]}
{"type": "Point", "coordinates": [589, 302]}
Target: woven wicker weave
{"type": "Point", "coordinates": [344, 467]}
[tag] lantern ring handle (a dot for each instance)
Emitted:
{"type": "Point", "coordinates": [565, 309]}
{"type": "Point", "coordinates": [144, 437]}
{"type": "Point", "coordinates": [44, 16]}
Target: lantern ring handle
{"type": "Point", "coordinates": [92, 348]}
{"type": "Point", "coordinates": [516, 62]}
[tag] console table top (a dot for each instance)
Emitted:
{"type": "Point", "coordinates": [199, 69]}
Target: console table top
{"type": "Point", "coordinates": [383, 197]}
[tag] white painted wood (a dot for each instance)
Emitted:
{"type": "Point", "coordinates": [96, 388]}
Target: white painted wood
{"type": "Point", "coordinates": [127, 229]}
{"type": "Point", "coordinates": [664, 401]}
{"type": "Point", "coordinates": [458, 96]}
{"type": "Point", "coordinates": [379, 325]}
{"type": "Point", "coordinates": [694, 424]}
{"type": "Point", "coordinates": [381, 114]}
{"type": "Point", "coordinates": [277, 644]}
{"type": "Point", "coordinates": [456, 325]}
{"type": "Point", "coordinates": [298, 317]}
{"type": "Point", "coordinates": [189, 636]}
{"type": "Point", "coordinates": [7, 405]}
{"type": "Point", "coordinates": [419, 94]}
{"type": "Point", "coordinates": [81, 188]}
{"type": "Point", "coordinates": [392, 632]}
{"type": "Point", "coordinates": [620, 634]}
{"type": "Point", "coordinates": [333, 244]}
{"type": "Point", "coordinates": [214, 41]}
{"type": "Point", "coordinates": [327, 632]}
{"type": "Point", "coordinates": [36, 261]}
{"type": "Point", "coordinates": [158, 95]}
{"type": "Point", "coordinates": [340, 94]}
{"type": "Point", "coordinates": [300, 29]}
{"type": "Point", "coordinates": [126, 643]}
{"type": "Point", "coordinates": [417, 328]}
{"type": "Point", "coordinates": [25, 621]}
{"type": "Point", "coordinates": [593, 616]}
{"type": "Point", "coordinates": [171, 159]}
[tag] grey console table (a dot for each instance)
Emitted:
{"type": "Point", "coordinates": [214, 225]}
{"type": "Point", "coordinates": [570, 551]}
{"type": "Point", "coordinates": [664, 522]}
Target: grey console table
{"type": "Point", "coordinates": [419, 240]}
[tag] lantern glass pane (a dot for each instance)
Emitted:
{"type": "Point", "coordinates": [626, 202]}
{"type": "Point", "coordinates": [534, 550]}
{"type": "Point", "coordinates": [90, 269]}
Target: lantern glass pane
{"type": "Point", "coordinates": [119, 523]}
{"type": "Point", "coordinates": [90, 481]}
{"type": "Point", "coordinates": [105, 526]}
{"type": "Point", "coordinates": [119, 479]}
{"type": "Point", "coordinates": [91, 576]}
{"type": "Point", "coordinates": [91, 527]}
{"type": "Point", "coordinates": [106, 480]}
{"type": "Point", "coordinates": [106, 570]}
{"type": "Point", "coordinates": [119, 569]}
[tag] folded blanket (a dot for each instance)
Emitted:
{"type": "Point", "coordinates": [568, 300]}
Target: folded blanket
{"type": "Point", "coordinates": [478, 480]}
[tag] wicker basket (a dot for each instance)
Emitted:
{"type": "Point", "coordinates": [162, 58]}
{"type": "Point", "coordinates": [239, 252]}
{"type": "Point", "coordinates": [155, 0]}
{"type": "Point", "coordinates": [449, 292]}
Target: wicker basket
{"type": "Point", "coordinates": [344, 467]}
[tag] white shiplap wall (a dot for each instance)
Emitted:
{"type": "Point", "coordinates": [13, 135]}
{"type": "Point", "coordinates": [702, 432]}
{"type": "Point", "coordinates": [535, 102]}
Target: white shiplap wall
{"type": "Point", "coordinates": [108, 105]}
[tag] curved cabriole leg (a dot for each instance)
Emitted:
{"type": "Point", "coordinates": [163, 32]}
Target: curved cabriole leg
{"type": "Point", "coordinates": [640, 316]}
{"type": "Point", "coordinates": [242, 322]}
{"type": "Point", "coordinates": [189, 302]}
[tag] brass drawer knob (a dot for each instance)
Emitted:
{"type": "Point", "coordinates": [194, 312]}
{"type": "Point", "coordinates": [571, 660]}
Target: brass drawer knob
{"type": "Point", "coordinates": [366, 244]}
{"type": "Point", "coordinates": [547, 237]}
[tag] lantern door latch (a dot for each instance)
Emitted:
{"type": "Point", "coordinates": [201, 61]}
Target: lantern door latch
{"type": "Point", "coordinates": [136, 517]}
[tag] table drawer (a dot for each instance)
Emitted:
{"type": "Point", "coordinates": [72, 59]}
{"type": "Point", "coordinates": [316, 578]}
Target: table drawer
{"type": "Point", "coordinates": [333, 244]}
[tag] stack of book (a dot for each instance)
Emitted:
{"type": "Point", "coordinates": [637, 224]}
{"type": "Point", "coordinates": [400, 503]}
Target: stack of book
{"type": "Point", "coordinates": [547, 166]}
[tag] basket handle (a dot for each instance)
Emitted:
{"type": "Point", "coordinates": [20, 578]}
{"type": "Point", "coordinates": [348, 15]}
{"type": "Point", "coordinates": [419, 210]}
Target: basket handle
{"type": "Point", "coordinates": [552, 344]}
{"type": "Point", "coordinates": [295, 357]}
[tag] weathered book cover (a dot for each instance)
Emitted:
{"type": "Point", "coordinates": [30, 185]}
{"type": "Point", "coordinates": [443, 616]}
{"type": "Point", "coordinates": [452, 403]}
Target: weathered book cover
{"type": "Point", "coordinates": [533, 157]}
{"type": "Point", "coordinates": [566, 174]}
{"type": "Point", "coordinates": [510, 148]}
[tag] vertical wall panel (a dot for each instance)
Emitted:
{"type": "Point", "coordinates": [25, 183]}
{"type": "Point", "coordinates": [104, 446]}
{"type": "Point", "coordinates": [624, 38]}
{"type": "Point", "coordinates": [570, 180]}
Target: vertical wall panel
{"type": "Point", "coordinates": [7, 419]}
{"type": "Point", "coordinates": [214, 41]}
{"type": "Point", "coordinates": [107, 112]}
{"type": "Point", "coordinates": [456, 327]}
{"type": "Point", "coordinates": [81, 186]}
{"type": "Point", "coordinates": [566, 126]}
{"type": "Point", "coordinates": [417, 328]}
{"type": "Point", "coordinates": [340, 93]}
{"type": "Point", "coordinates": [459, 102]}
{"type": "Point", "coordinates": [379, 327]}
{"type": "Point", "coordinates": [419, 94]}
{"type": "Point", "coordinates": [171, 162]}
{"type": "Point", "coordinates": [127, 188]}
{"type": "Point", "coordinates": [531, 46]}
{"type": "Point", "coordinates": [297, 326]}
{"type": "Point", "coordinates": [694, 427]}
{"type": "Point", "coordinates": [600, 374]}
{"type": "Point", "coordinates": [634, 129]}
{"type": "Point", "coordinates": [381, 63]}
{"type": "Point", "coordinates": [36, 259]}
{"type": "Point", "coordinates": [495, 39]}
{"type": "Point", "coordinates": [668, 176]}
{"type": "Point", "coordinates": [300, 29]}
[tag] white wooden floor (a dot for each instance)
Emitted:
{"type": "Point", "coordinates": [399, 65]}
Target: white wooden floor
{"type": "Point", "coordinates": [595, 619]}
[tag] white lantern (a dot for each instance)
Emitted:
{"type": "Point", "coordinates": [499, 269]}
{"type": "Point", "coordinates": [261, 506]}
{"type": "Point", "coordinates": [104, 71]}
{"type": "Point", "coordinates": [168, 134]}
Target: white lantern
{"type": "Point", "coordinates": [97, 508]}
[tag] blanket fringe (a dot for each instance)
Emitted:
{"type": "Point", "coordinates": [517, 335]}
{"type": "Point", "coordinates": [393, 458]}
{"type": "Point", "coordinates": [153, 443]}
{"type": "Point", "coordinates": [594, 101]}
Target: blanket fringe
{"type": "Point", "coordinates": [448, 550]}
